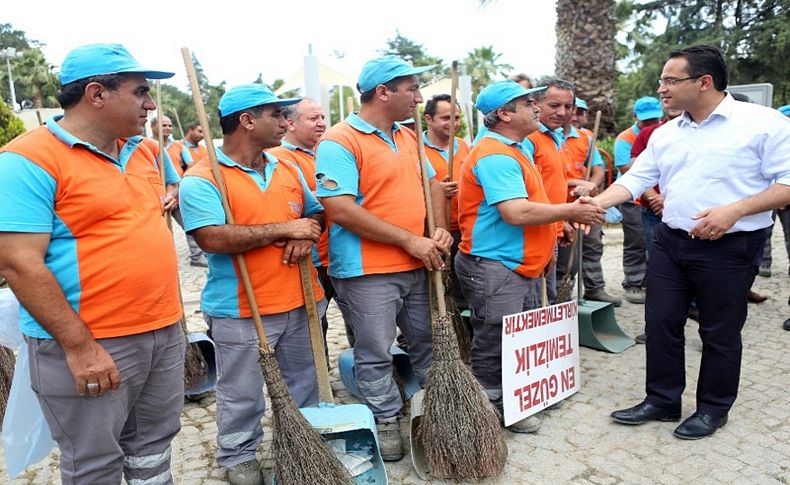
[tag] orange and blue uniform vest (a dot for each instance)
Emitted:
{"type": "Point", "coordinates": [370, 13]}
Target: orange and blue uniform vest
{"type": "Point", "coordinates": [305, 160]}
{"type": "Point", "coordinates": [109, 249]}
{"type": "Point", "coordinates": [437, 157]}
{"type": "Point", "coordinates": [575, 148]}
{"type": "Point", "coordinates": [279, 195]}
{"type": "Point", "coordinates": [384, 177]}
{"type": "Point", "coordinates": [498, 169]}
{"type": "Point", "coordinates": [546, 149]}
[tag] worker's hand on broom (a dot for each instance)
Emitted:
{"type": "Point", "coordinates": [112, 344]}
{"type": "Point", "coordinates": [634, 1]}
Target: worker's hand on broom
{"type": "Point", "coordinates": [305, 228]}
{"type": "Point", "coordinates": [170, 200]}
{"type": "Point", "coordinates": [430, 251]}
{"type": "Point", "coordinates": [568, 235]}
{"type": "Point", "coordinates": [449, 188]}
{"type": "Point", "coordinates": [295, 250]}
{"type": "Point", "coordinates": [443, 237]}
{"type": "Point", "coordinates": [93, 369]}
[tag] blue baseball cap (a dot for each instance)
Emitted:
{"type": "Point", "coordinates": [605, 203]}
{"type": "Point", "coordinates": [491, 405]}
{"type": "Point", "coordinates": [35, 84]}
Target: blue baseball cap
{"type": "Point", "coordinates": [647, 108]}
{"type": "Point", "coordinates": [582, 104]}
{"type": "Point", "coordinates": [785, 110]}
{"type": "Point", "coordinates": [100, 59]}
{"type": "Point", "coordinates": [385, 69]}
{"type": "Point", "coordinates": [496, 94]}
{"type": "Point", "coordinates": [246, 96]}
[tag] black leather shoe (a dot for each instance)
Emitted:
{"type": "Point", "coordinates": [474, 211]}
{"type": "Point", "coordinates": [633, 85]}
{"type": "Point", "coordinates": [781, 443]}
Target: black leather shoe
{"type": "Point", "coordinates": [644, 412]}
{"type": "Point", "coordinates": [699, 425]}
{"type": "Point", "coordinates": [786, 325]}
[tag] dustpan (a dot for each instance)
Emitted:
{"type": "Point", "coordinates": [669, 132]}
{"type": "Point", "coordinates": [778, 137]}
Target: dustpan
{"type": "Point", "coordinates": [598, 327]}
{"type": "Point", "coordinates": [348, 429]}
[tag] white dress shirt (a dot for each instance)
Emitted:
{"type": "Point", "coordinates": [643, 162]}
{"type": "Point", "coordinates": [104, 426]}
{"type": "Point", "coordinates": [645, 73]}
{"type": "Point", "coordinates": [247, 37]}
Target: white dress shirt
{"type": "Point", "coordinates": [737, 152]}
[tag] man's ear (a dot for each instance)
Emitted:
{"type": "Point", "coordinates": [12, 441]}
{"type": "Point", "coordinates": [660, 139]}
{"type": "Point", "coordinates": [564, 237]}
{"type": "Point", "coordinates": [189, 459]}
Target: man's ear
{"type": "Point", "coordinates": [247, 121]}
{"type": "Point", "coordinates": [382, 93]}
{"type": "Point", "coordinates": [96, 94]}
{"type": "Point", "coordinates": [706, 82]}
{"type": "Point", "coordinates": [504, 115]}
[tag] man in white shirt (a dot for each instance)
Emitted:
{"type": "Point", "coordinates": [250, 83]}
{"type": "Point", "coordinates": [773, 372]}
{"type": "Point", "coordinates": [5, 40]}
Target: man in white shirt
{"type": "Point", "coordinates": [722, 166]}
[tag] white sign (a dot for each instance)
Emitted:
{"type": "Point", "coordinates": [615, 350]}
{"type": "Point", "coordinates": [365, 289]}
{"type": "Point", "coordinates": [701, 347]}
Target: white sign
{"type": "Point", "coordinates": [540, 359]}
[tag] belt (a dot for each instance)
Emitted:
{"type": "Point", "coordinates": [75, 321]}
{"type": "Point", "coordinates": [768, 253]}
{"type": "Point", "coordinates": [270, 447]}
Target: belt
{"type": "Point", "coordinates": [685, 235]}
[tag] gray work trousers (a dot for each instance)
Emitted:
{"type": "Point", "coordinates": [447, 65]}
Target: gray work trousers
{"type": "Point", "coordinates": [784, 219]}
{"type": "Point", "coordinates": [195, 253]}
{"type": "Point", "coordinates": [375, 306]}
{"type": "Point", "coordinates": [592, 251]}
{"type": "Point", "coordinates": [634, 249]}
{"type": "Point", "coordinates": [240, 401]}
{"type": "Point", "coordinates": [118, 433]}
{"type": "Point", "coordinates": [492, 291]}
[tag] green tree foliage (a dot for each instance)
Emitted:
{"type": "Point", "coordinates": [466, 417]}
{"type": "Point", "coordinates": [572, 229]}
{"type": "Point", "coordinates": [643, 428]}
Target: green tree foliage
{"type": "Point", "coordinates": [754, 35]}
{"type": "Point", "coordinates": [415, 53]}
{"type": "Point", "coordinates": [483, 65]}
{"type": "Point", "coordinates": [210, 93]}
{"type": "Point", "coordinates": [34, 79]}
{"type": "Point", "coordinates": [10, 125]}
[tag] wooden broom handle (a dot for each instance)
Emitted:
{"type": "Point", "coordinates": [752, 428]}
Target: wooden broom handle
{"type": "Point", "coordinates": [212, 156]}
{"type": "Point", "coordinates": [316, 335]}
{"type": "Point", "coordinates": [596, 126]}
{"type": "Point", "coordinates": [426, 189]}
{"type": "Point", "coordinates": [451, 148]}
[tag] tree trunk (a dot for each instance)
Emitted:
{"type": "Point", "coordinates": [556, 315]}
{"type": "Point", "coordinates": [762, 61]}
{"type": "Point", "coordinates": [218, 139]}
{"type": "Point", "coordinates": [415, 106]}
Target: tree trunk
{"type": "Point", "coordinates": [586, 54]}
{"type": "Point", "coordinates": [38, 98]}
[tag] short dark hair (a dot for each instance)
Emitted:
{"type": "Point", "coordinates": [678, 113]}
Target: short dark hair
{"type": "Point", "coordinates": [193, 125]}
{"type": "Point", "coordinates": [492, 118]}
{"type": "Point", "coordinates": [70, 94]}
{"type": "Point", "coordinates": [230, 122]}
{"type": "Point", "coordinates": [391, 85]}
{"type": "Point", "coordinates": [702, 60]}
{"type": "Point", "coordinates": [430, 106]}
{"type": "Point", "coordinates": [554, 82]}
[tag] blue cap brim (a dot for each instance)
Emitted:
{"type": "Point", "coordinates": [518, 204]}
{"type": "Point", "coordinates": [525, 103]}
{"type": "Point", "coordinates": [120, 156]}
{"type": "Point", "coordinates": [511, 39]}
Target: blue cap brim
{"type": "Point", "coordinates": [158, 74]}
{"type": "Point", "coordinates": [417, 70]}
{"type": "Point", "coordinates": [535, 90]}
{"type": "Point", "coordinates": [649, 115]}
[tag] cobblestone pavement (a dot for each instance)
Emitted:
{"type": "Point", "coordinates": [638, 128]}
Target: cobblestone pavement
{"type": "Point", "coordinates": [578, 443]}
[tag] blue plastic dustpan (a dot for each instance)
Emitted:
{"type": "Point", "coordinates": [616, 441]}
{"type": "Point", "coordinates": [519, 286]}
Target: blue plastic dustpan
{"type": "Point", "coordinates": [207, 382]}
{"type": "Point", "coordinates": [400, 360]}
{"type": "Point", "coordinates": [355, 424]}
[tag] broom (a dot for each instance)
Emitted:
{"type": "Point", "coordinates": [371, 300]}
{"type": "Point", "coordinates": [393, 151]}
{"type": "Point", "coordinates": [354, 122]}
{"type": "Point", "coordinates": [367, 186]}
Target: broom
{"type": "Point", "coordinates": [565, 287]}
{"type": "Point", "coordinates": [460, 327]}
{"type": "Point", "coordinates": [459, 429]}
{"type": "Point", "coordinates": [299, 451]}
{"type": "Point", "coordinates": [195, 365]}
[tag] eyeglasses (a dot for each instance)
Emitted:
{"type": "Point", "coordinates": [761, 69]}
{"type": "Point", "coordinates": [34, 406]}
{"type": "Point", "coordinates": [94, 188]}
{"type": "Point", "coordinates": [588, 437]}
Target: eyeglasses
{"type": "Point", "coordinates": [670, 81]}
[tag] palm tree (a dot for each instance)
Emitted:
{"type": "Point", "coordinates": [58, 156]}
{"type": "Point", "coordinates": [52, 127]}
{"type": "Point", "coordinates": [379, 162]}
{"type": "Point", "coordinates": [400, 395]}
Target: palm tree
{"type": "Point", "coordinates": [586, 53]}
{"type": "Point", "coordinates": [33, 71]}
{"type": "Point", "coordinates": [482, 65]}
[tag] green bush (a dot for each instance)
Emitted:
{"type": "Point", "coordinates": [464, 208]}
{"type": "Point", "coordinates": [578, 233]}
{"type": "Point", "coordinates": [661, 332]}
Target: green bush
{"type": "Point", "coordinates": [10, 126]}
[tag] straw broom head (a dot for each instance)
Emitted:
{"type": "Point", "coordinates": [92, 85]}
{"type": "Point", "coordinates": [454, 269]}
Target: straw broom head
{"type": "Point", "coordinates": [459, 429]}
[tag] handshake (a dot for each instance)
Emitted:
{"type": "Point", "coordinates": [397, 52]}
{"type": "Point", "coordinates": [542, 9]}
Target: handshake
{"type": "Point", "coordinates": [584, 212]}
